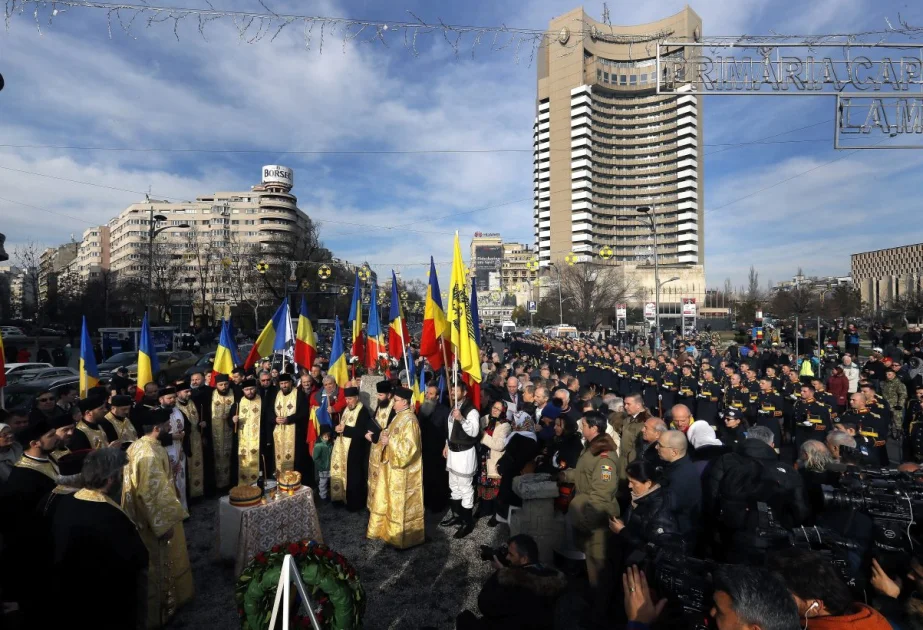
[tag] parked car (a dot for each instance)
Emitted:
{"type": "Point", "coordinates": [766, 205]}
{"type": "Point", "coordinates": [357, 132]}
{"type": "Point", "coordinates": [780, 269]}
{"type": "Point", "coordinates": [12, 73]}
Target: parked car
{"type": "Point", "coordinates": [122, 359]}
{"type": "Point", "coordinates": [172, 366]}
{"type": "Point", "coordinates": [11, 332]}
{"type": "Point", "coordinates": [22, 376]}
{"type": "Point", "coordinates": [12, 368]}
{"type": "Point", "coordinates": [21, 395]}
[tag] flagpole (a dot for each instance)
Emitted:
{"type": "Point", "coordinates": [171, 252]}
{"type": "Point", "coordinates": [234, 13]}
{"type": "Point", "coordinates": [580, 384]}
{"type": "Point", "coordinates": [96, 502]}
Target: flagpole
{"type": "Point", "coordinates": [2, 397]}
{"type": "Point", "coordinates": [404, 350]}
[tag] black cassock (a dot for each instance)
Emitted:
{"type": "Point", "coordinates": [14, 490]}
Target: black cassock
{"type": "Point", "coordinates": [357, 459]}
{"type": "Point", "coordinates": [26, 552]}
{"type": "Point", "coordinates": [94, 543]}
{"type": "Point", "coordinates": [435, 476]}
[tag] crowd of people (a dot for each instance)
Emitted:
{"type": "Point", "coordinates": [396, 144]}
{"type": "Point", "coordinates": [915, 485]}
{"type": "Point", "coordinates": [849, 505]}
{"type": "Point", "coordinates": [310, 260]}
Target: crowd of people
{"type": "Point", "coordinates": [688, 460]}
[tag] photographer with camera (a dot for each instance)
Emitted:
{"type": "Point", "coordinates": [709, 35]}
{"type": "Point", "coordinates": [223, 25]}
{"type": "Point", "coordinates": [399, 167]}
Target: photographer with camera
{"type": "Point", "coordinates": [739, 488]}
{"type": "Point", "coordinates": [521, 593]}
{"type": "Point", "coordinates": [821, 595]}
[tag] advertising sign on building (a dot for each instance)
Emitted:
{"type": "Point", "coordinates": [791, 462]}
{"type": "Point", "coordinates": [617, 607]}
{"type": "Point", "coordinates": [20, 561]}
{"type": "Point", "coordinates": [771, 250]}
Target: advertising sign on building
{"type": "Point", "coordinates": [689, 308]}
{"type": "Point", "coordinates": [487, 259]}
{"type": "Point", "coordinates": [275, 174]}
{"type": "Point", "coordinates": [650, 310]}
{"type": "Point", "coordinates": [621, 310]}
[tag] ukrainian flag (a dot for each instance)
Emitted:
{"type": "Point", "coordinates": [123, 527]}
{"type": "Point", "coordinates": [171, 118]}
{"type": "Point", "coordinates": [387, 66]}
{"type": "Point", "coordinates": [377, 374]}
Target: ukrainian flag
{"type": "Point", "coordinates": [337, 368]}
{"type": "Point", "coordinates": [275, 336]}
{"type": "Point", "coordinates": [89, 373]}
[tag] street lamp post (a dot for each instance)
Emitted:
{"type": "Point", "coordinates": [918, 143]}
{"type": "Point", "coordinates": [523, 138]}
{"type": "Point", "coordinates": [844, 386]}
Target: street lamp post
{"type": "Point", "coordinates": [152, 232]}
{"type": "Point", "coordinates": [560, 301]}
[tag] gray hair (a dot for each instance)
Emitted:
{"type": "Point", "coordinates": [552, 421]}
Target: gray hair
{"type": "Point", "coordinates": [265, 373]}
{"type": "Point", "coordinates": [657, 425]}
{"type": "Point", "coordinates": [841, 438]}
{"type": "Point", "coordinates": [102, 465]}
{"type": "Point", "coordinates": [528, 389]}
{"type": "Point", "coordinates": [763, 434]}
{"type": "Point", "coordinates": [757, 596]}
{"type": "Point", "coordinates": [614, 403]}
{"type": "Point", "coordinates": [329, 379]}
{"type": "Point", "coordinates": [815, 455]}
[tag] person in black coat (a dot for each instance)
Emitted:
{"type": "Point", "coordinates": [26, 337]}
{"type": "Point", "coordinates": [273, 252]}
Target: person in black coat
{"type": "Point", "coordinates": [518, 596]}
{"type": "Point", "coordinates": [565, 448]}
{"type": "Point", "coordinates": [733, 429]}
{"type": "Point", "coordinates": [357, 457]}
{"type": "Point", "coordinates": [649, 517]}
{"type": "Point", "coordinates": [682, 483]}
{"type": "Point", "coordinates": [434, 418]}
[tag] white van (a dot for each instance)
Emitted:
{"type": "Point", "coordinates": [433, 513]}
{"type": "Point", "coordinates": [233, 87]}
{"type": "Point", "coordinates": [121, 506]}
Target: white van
{"type": "Point", "coordinates": [507, 328]}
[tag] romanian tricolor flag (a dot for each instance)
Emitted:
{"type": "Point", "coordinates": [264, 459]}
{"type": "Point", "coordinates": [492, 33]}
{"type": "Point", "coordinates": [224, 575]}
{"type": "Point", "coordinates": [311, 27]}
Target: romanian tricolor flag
{"type": "Point", "coordinates": [232, 336]}
{"type": "Point", "coordinates": [337, 368]}
{"type": "Point", "coordinates": [435, 329]}
{"type": "Point", "coordinates": [276, 336]}
{"type": "Point", "coordinates": [375, 340]}
{"type": "Point", "coordinates": [89, 373]}
{"type": "Point", "coordinates": [461, 323]}
{"type": "Point", "coordinates": [305, 345]}
{"type": "Point", "coordinates": [224, 357]}
{"type": "Point", "coordinates": [398, 335]}
{"type": "Point", "coordinates": [147, 358]}
{"type": "Point", "coordinates": [2, 366]}
{"type": "Point", "coordinates": [355, 318]}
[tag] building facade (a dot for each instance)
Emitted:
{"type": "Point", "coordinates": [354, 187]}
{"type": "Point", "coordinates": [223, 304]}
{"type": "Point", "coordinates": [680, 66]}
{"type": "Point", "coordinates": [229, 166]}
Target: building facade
{"type": "Point", "coordinates": [605, 143]}
{"type": "Point", "coordinates": [884, 275]}
{"type": "Point", "coordinates": [53, 262]}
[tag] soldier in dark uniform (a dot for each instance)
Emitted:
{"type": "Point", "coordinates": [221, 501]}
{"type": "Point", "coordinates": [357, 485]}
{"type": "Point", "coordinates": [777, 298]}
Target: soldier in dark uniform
{"type": "Point", "coordinates": [688, 388]}
{"type": "Point", "coordinates": [812, 418]}
{"type": "Point", "coordinates": [651, 392]}
{"type": "Point", "coordinates": [873, 403]}
{"type": "Point", "coordinates": [737, 396]}
{"type": "Point", "coordinates": [708, 399]}
{"type": "Point", "coordinates": [669, 386]}
{"type": "Point", "coordinates": [871, 425]}
{"type": "Point", "coordinates": [913, 427]}
{"type": "Point", "coordinates": [636, 385]}
{"type": "Point", "coordinates": [753, 386]}
{"type": "Point", "coordinates": [769, 409]}
{"type": "Point", "coordinates": [824, 396]}
{"type": "Point", "coordinates": [791, 394]}
{"type": "Point", "coordinates": [775, 379]}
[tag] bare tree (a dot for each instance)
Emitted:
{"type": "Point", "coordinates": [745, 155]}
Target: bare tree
{"type": "Point", "coordinates": [594, 289]}
{"type": "Point", "coordinates": [203, 250]}
{"type": "Point", "coordinates": [795, 302]}
{"type": "Point", "coordinates": [28, 257]}
{"type": "Point", "coordinates": [239, 271]}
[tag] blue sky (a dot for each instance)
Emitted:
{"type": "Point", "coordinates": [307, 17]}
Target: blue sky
{"type": "Point", "coordinates": [73, 85]}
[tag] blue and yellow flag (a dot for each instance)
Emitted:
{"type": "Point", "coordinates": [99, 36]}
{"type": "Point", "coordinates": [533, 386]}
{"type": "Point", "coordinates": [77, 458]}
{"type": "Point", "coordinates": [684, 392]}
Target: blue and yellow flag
{"type": "Point", "coordinates": [147, 359]}
{"type": "Point", "coordinates": [224, 357]}
{"type": "Point", "coordinates": [337, 368]}
{"type": "Point", "coordinates": [89, 373]}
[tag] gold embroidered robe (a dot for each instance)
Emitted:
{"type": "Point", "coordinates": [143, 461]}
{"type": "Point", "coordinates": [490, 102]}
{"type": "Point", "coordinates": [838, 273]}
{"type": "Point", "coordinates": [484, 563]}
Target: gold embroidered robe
{"type": "Point", "coordinates": [284, 434]}
{"type": "Point", "coordinates": [381, 417]}
{"type": "Point", "coordinates": [196, 465]}
{"type": "Point", "coordinates": [124, 428]}
{"type": "Point", "coordinates": [340, 455]}
{"type": "Point", "coordinates": [249, 416]}
{"type": "Point", "coordinates": [397, 510]}
{"type": "Point", "coordinates": [45, 466]}
{"type": "Point", "coordinates": [149, 498]}
{"type": "Point", "coordinates": [222, 438]}
{"type": "Point", "coordinates": [95, 435]}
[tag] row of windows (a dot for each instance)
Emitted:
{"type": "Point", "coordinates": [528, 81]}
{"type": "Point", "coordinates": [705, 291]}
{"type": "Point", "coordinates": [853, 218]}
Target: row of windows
{"type": "Point", "coordinates": [631, 79]}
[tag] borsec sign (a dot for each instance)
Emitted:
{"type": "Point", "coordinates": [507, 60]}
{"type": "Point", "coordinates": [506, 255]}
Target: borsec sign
{"type": "Point", "coordinates": [275, 174]}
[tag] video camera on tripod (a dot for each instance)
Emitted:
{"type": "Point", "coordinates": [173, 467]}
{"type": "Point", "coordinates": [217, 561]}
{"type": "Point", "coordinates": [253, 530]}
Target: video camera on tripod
{"type": "Point", "coordinates": [892, 499]}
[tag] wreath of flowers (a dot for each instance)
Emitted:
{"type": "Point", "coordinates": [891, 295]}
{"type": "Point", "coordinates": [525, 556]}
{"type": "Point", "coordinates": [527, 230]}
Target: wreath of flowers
{"type": "Point", "coordinates": [332, 582]}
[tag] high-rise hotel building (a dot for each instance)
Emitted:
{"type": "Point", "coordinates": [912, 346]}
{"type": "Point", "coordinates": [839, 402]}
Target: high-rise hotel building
{"type": "Point", "coordinates": [606, 143]}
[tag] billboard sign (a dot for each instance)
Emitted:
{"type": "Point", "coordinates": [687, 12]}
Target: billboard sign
{"type": "Point", "coordinates": [689, 307]}
{"type": "Point", "coordinates": [621, 310]}
{"type": "Point", "coordinates": [487, 259]}
{"type": "Point", "coordinates": [650, 310]}
{"type": "Point", "coordinates": [275, 174]}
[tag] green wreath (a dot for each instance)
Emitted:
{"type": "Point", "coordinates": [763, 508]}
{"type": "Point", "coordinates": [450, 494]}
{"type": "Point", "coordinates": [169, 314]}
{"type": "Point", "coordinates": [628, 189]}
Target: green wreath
{"type": "Point", "coordinates": [333, 584]}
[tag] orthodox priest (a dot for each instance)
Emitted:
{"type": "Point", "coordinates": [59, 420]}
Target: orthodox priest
{"type": "Point", "coordinates": [32, 477]}
{"type": "Point", "coordinates": [218, 414]}
{"type": "Point", "coordinates": [192, 441]}
{"type": "Point", "coordinates": [397, 510]}
{"type": "Point", "coordinates": [350, 460]}
{"type": "Point", "coordinates": [93, 431]}
{"type": "Point", "coordinates": [247, 418]}
{"type": "Point", "coordinates": [118, 418]}
{"type": "Point", "coordinates": [95, 543]}
{"type": "Point", "coordinates": [149, 498]}
{"type": "Point", "coordinates": [384, 414]}
{"type": "Point", "coordinates": [176, 427]}
{"type": "Point", "coordinates": [290, 436]}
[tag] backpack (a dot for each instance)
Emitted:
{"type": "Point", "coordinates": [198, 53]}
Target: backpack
{"type": "Point", "coordinates": [741, 493]}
